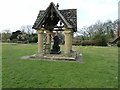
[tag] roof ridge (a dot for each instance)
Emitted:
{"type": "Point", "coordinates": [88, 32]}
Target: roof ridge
{"type": "Point", "coordinates": [52, 12]}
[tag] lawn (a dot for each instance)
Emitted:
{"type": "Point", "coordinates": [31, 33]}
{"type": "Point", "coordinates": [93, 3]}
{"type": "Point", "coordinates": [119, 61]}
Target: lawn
{"type": "Point", "coordinates": [99, 69]}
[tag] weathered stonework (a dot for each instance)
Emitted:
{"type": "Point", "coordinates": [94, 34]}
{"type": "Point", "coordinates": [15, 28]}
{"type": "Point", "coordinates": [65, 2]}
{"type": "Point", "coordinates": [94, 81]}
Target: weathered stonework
{"type": "Point", "coordinates": [40, 42]}
{"type": "Point", "coordinates": [50, 20]}
{"type": "Point", "coordinates": [68, 41]}
{"type": "Point", "coordinates": [48, 42]}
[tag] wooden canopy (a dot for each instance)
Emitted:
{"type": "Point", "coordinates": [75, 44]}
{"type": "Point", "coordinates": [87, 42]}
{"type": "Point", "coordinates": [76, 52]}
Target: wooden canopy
{"type": "Point", "coordinates": [50, 17]}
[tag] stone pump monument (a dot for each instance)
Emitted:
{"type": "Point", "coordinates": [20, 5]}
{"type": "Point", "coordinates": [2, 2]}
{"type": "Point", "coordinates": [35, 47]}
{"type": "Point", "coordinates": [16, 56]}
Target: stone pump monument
{"type": "Point", "coordinates": [50, 20]}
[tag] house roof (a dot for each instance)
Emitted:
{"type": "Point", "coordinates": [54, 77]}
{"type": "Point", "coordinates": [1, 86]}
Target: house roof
{"type": "Point", "coordinates": [50, 17]}
{"type": "Point", "coordinates": [114, 41]}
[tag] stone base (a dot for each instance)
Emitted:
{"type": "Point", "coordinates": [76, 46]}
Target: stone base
{"type": "Point", "coordinates": [74, 56]}
{"type": "Point", "coordinates": [55, 52]}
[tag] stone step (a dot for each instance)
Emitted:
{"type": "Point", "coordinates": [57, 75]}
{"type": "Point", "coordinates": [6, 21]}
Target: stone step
{"type": "Point", "coordinates": [59, 58]}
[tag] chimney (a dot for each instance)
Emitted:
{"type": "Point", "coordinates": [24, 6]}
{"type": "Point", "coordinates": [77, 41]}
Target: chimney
{"type": "Point", "coordinates": [118, 32]}
{"type": "Point", "coordinates": [119, 10]}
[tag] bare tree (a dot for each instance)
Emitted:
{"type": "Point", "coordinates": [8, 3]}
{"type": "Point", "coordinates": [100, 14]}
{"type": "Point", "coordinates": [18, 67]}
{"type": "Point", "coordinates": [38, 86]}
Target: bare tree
{"type": "Point", "coordinates": [27, 29]}
{"type": "Point", "coordinates": [6, 33]}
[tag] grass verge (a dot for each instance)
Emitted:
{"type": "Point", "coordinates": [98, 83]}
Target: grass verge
{"type": "Point", "coordinates": [99, 69]}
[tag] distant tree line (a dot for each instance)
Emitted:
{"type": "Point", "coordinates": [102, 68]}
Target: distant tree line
{"type": "Point", "coordinates": [24, 35]}
{"type": "Point", "coordinates": [99, 34]}
{"type": "Point", "coordinates": [5, 35]}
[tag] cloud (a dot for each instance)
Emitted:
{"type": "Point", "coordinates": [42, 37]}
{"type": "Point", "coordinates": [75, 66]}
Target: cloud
{"type": "Point", "coordinates": [15, 13]}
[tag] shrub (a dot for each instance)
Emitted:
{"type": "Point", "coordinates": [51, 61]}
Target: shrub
{"type": "Point", "coordinates": [98, 42]}
{"type": "Point", "coordinates": [101, 40]}
{"type": "Point", "coordinates": [88, 42]}
{"type": "Point", "coordinates": [118, 43]}
{"type": "Point", "coordinates": [76, 42]}
{"type": "Point", "coordinates": [14, 40]}
{"type": "Point", "coordinates": [34, 39]}
{"type": "Point", "coordinates": [19, 41]}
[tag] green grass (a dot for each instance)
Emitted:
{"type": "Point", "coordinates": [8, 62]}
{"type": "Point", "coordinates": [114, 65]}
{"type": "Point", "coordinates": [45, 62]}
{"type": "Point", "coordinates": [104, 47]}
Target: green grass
{"type": "Point", "coordinates": [99, 69]}
{"type": "Point", "coordinates": [0, 65]}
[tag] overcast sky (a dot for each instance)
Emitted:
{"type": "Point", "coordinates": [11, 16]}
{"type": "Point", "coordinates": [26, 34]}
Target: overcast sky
{"type": "Point", "coordinates": [15, 13]}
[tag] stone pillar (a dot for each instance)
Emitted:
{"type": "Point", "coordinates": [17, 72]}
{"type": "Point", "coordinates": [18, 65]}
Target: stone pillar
{"type": "Point", "coordinates": [40, 42]}
{"type": "Point", "coordinates": [48, 47]}
{"type": "Point", "coordinates": [71, 37]}
{"type": "Point", "coordinates": [68, 41]}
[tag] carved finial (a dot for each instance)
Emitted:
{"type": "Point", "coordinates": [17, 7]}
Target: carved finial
{"type": "Point", "coordinates": [57, 5]}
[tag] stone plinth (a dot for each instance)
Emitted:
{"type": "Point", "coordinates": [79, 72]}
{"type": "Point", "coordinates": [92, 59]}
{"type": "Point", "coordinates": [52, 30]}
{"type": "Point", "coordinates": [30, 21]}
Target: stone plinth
{"type": "Point", "coordinates": [57, 57]}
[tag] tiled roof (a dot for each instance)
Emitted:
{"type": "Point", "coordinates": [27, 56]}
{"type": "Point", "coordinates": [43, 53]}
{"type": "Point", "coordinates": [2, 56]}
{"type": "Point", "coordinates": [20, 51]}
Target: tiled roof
{"type": "Point", "coordinates": [51, 16]}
